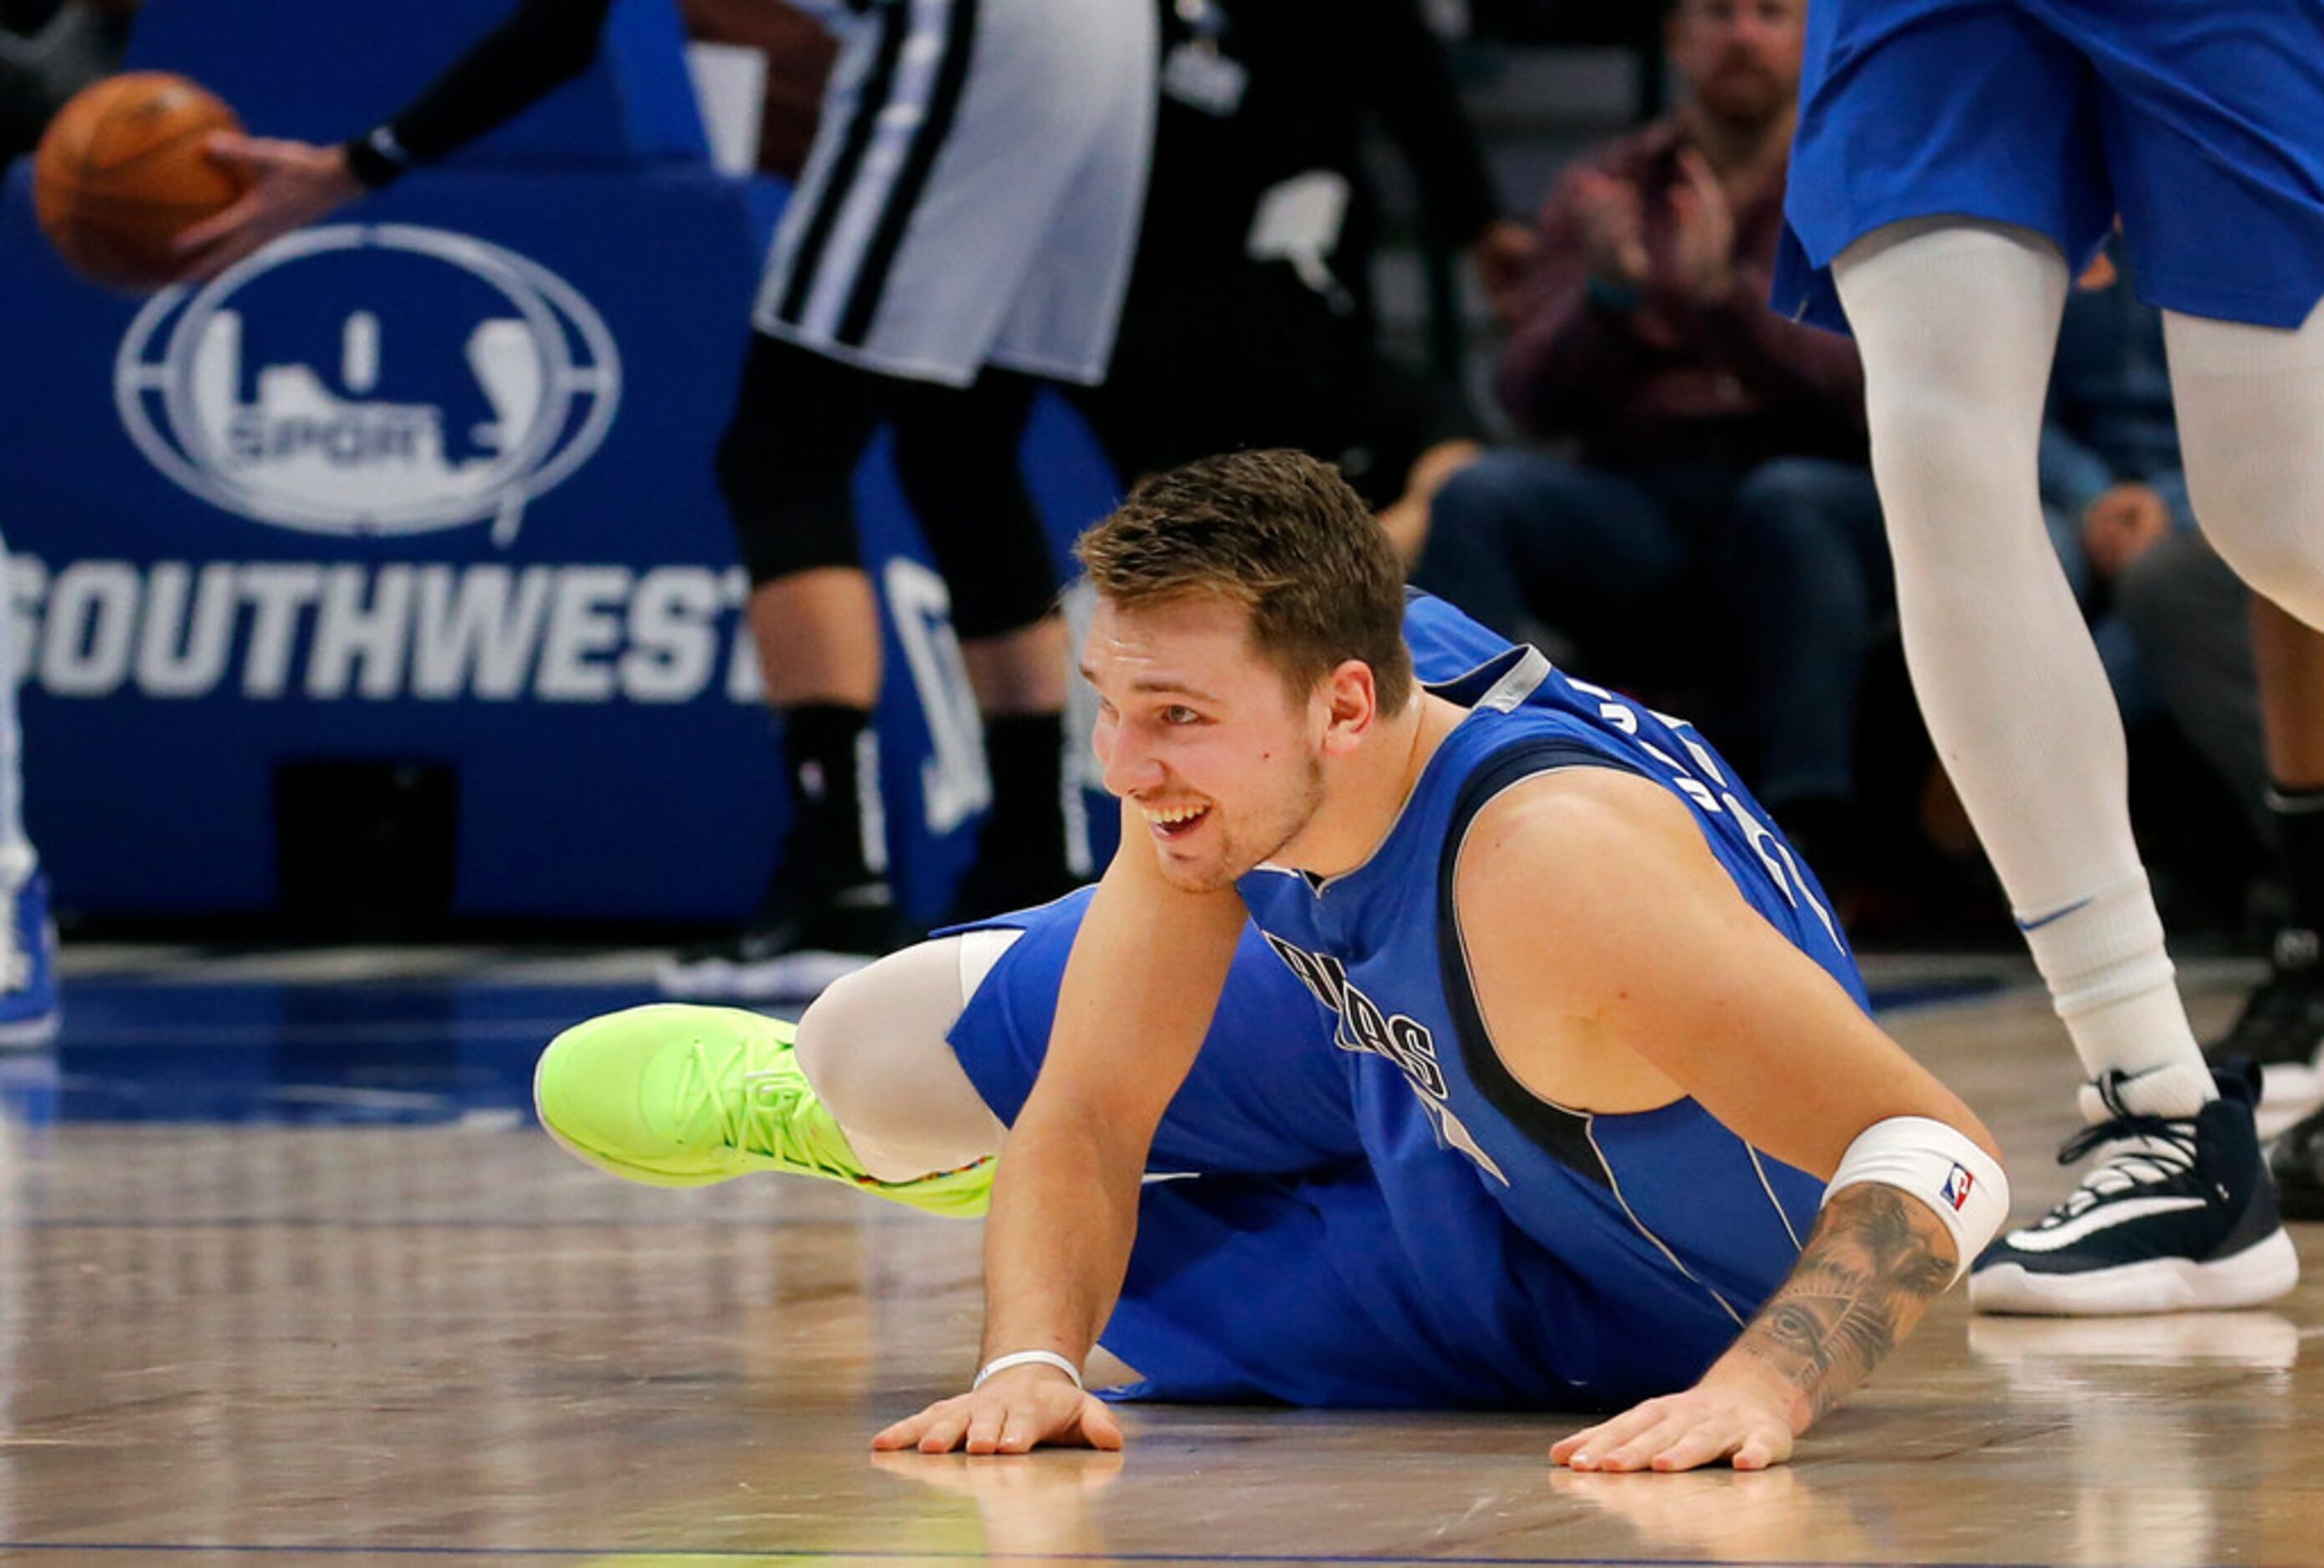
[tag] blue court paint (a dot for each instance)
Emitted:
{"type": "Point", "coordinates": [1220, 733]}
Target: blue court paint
{"type": "Point", "coordinates": [366, 1053]}
{"type": "Point", "coordinates": [401, 1051]}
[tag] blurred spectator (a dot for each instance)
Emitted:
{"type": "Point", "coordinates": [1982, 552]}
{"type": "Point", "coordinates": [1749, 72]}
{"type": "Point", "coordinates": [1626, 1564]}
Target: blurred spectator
{"type": "Point", "coordinates": [1250, 321]}
{"type": "Point", "coordinates": [1718, 450]}
{"type": "Point", "coordinates": [50, 51]}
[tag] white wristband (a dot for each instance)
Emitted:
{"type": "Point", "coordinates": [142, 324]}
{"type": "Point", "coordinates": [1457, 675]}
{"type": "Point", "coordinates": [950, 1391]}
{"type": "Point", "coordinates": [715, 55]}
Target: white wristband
{"type": "Point", "coordinates": [1939, 1165]}
{"type": "Point", "coordinates": [999, 1364]}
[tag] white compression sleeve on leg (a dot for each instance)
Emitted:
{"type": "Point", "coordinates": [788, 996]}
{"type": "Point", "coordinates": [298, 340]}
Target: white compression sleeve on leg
{"type": "Point", "coordinates": [2251, 429]}
{"type": "Point", "coordinates": [875, 1048]}
{"type": "Point", "coordinates": [1956, 323]}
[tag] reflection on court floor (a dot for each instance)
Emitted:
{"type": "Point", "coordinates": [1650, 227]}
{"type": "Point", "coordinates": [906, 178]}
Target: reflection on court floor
{"type": "Point", "coordinates": [287, 1275]}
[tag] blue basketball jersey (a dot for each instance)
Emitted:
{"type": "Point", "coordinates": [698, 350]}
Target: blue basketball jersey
{"type": "Point", "coordinates": [1665, 1212]}
{"type": "Point", "coordinates": [1380, 1215]}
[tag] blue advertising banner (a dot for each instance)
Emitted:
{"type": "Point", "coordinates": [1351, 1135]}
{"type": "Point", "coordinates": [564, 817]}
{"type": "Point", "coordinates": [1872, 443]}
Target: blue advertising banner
{"type": "Point", "coordinates": [430, 485]}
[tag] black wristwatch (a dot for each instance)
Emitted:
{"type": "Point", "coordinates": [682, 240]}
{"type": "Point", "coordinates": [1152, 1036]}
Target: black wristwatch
{"type": "Point", "coordinates": [376, 159]}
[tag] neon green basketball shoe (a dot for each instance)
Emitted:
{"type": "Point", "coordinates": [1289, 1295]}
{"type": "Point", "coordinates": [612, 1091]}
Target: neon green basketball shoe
{"type": "Point", "coordinates": [675, 1095]}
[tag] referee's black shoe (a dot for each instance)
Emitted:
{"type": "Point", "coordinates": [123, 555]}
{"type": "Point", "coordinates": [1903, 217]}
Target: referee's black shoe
{"type": "Point", "coordinates": [2281, 1028]}
{"type": "Point", "coordinates": [2296, 1160]}
{"type": "Point", "coordinates": [2176, 1215]}
{"type": "Point", "coordinates": [792, 948]}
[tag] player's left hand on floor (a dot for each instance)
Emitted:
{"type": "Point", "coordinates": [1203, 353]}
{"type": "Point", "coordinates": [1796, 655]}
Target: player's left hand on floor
{"type": "Point", "coordinates": [1014, 1412]}
{"type": "Point", "coordinates": [1683, 1432]}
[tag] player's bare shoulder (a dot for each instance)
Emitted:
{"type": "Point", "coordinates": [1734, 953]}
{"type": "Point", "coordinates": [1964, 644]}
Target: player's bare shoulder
{"type": "Point", "coordinates": [1587, 830]}
{"type": "Point", "coordinates": [1577, 884]}
{"type": "Point", "coordinates": [1564, 889]}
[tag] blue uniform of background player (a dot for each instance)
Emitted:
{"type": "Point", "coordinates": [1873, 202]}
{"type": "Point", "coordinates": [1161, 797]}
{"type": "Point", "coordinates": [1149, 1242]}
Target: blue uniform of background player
{"type": "Point", "coordinates": [2202, 125]}
{"type": "Point", "coordinates": [1382, 1215]}
{"type": "Point", "coordinates": [1956, 163]}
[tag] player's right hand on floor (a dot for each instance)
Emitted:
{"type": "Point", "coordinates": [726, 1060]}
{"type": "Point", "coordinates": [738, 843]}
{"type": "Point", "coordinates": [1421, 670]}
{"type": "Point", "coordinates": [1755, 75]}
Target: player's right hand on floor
{"type": "Point", "coordinates": [1712, 1422]}
{"type": "Point", "coordinates": [1016, 1412]}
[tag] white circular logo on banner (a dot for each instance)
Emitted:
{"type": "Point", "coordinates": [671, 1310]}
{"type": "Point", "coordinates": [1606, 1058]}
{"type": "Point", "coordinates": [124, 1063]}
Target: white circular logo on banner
{"type": "Point", "coordinates": [371, 379]}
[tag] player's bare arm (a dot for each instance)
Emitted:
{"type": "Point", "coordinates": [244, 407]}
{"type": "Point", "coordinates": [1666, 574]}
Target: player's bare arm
{"type": "Point", "coordinates": [1617, 968]}
{"type": "Point", "coordinates": [1144, 978]}
{"type": "Point", "coordinates": [1874, 1260]}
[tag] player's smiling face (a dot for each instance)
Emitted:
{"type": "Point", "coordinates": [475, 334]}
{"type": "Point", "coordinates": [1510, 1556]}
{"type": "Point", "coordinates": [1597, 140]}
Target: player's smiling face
{"type": "Point", "coordinates": [1202, 737]}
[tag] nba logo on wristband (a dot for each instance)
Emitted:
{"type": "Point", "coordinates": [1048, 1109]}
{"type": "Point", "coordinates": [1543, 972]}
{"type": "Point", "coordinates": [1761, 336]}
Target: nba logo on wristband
{"type": "Point", "coordinates": [1957, 1188]}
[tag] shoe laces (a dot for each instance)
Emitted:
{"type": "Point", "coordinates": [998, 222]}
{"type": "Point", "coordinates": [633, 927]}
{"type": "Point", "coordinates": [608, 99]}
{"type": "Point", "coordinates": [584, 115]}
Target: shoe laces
{"type": "Point", "coordinates": [2135, 1150]}
{"type": "Point", "coordinates": [755, 1112]}
{"type": "Point", "coordinates": [762, 1120]}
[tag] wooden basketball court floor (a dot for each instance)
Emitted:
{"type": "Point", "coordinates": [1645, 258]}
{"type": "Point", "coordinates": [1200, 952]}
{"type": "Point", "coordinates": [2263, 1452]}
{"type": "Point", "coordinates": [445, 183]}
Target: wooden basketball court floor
{"type": "Point", "coordinates": [288, 1276]}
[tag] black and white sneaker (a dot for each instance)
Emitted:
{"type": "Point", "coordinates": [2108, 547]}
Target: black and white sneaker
{"type": "Point", "coordinates": [2296, 1161]}
{"type": "Point", "coordinates": [790, 954]}
{"type": "Point", "coordinates": [2178, 1215]}
{"type": "Point", "coordinates": [2281, 1027]}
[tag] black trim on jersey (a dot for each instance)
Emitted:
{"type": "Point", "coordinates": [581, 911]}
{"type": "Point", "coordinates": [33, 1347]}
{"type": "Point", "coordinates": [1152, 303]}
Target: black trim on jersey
{"type": "Point", "coordinates": [871, 102]}
{"type": "Point", "coordinates": [943, 103]}
{"type": "Point", "coordinates": [1564, 1135]}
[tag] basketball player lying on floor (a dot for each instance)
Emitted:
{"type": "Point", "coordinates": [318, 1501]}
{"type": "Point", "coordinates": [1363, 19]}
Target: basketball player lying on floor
{"type": "Point", "coordinates": [1536, 1073]}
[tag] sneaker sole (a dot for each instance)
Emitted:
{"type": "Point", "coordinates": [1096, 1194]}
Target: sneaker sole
{"type": "Point", "coordinates": [2260, 1273]}
{"type": "Point", "coordinates": [791, 977]}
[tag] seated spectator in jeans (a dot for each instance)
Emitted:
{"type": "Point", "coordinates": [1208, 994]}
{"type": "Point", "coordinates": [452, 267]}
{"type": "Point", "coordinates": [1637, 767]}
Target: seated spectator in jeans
{"type": "Point", "coordinates": [1717, 449]}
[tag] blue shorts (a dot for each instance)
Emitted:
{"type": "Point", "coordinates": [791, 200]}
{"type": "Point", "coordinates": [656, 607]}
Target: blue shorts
{"type": "Point", "coordinates": [2200, 122]}
{"type": "Point", "coordinates": [1310, 1242]}
{"type": "Point", "coordinates": [1269, 1095]}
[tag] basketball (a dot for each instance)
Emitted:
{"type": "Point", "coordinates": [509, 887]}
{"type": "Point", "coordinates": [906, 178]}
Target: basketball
{"type": "Point", "coordinates": [120, 172]}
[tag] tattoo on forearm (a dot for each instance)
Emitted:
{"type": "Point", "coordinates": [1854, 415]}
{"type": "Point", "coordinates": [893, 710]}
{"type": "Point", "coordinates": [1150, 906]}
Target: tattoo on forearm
{"type": "Point", "coordinates": [1871, 1266]}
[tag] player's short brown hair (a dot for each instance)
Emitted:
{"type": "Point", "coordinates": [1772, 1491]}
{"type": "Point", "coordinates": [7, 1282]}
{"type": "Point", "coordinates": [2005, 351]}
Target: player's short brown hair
{"type": "Point", "coordinates": [1280, 534]}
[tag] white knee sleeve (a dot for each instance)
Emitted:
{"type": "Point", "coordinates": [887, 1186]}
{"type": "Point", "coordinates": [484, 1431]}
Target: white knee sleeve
{"type": "Point", "coordinates": [2251, 428]}
{"type": "Point", "coordinates": [1958, 323]}
{"type": "Point", "coordinates": [874, 1046]}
